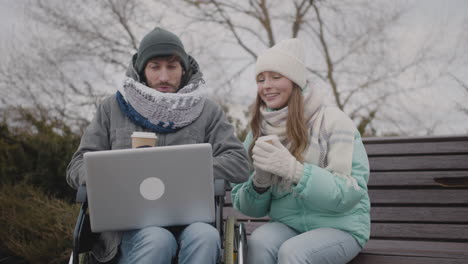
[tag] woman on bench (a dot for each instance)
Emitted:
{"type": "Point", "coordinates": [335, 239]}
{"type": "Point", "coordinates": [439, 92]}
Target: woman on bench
{"type": "Point", "coordinates": [310, 169]}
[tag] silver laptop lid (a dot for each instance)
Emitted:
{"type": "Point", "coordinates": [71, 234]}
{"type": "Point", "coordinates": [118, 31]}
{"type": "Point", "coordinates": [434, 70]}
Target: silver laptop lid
{"type": "Point", "coordinates": [158, 186]}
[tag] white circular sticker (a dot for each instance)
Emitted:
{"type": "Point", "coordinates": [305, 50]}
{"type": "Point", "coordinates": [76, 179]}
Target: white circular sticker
{"type": "Point", "coordinates": [152, 188]}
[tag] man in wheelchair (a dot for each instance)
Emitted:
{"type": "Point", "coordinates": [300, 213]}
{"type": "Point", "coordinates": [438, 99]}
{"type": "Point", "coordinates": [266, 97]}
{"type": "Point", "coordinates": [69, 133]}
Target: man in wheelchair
{"type": "Point", "coordinates": [161, 94]}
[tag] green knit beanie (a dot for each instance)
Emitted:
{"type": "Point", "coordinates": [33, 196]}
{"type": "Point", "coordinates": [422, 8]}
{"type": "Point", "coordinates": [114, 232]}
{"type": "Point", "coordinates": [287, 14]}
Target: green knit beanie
{"type": "Point", "coordinates": [160, 42]}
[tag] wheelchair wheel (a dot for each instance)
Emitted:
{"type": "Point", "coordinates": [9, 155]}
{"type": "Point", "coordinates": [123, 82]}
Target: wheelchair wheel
{"type": "Point", "coordinates": [241, 243]}
{"type": "Point", "coordinates": [235, 242]}
{"type": "Point", "coordinates": [229, 236]}
{"type": "Point", "coordinates": [84, 258]}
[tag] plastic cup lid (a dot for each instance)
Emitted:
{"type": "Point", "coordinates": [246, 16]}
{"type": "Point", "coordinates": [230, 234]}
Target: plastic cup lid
{"type": "Point", "coordinates": [267, 138]}
{"type": "Point", "coordinates": [144, 135]}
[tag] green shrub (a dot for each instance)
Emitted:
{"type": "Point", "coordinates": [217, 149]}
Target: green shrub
{"type": "Point", "coordinates": [37, 149]}
{"type": "Point", "coordinates": [34, 225]}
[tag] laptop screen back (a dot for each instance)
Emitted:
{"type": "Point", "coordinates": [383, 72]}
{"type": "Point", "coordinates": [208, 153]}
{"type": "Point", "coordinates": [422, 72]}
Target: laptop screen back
{"type": "Point", "coordinates": [158, 186]}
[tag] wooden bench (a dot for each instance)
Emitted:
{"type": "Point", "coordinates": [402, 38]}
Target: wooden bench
{"type": "Point", "coordinates": [418, 188]}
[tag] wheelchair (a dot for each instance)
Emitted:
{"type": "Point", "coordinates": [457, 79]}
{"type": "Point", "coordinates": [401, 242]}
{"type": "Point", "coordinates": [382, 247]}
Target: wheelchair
{"type": "Point", "coordinates": [233, 235]}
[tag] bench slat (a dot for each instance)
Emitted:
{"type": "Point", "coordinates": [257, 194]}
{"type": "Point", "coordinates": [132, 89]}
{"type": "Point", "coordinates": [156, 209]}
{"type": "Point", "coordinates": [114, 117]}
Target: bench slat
{"type": "Point", "coordinates": [419, 231]}
{"type": "Point", "coordinates": [455, 147]}
{"type": "Point", "coordinates": [407, 231]}
{"type": "Point", "coordinates": [421, 214]}
{"type": "Point", "coordinates": [412, 178]}
{"type": "Point", "coordinates": [391, 214]}
{"type": "Point", "coordinates": [409, 196]}
{"type": "Point", "coordinates": [379, 259]}
{"type": "Point", "coordinates": [229, 211]}
{"type": "Point", "coordinates": [413, 139]}
{"type": "Point", "coordinates": [412, 163]}
{"type": "Point", "coordinates": [417, 248]}
{"type": "Point", "coordinates": [414, 196]}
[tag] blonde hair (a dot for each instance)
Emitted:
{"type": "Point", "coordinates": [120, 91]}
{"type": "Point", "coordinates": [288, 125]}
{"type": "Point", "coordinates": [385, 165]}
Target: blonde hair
{"type": "Point", "coordinates": [296, 127]}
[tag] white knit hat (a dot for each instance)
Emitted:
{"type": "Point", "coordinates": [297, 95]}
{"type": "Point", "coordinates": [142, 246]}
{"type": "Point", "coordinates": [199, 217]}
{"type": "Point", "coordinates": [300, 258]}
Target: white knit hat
{"type": "Point", "coordinates": [286, 58]}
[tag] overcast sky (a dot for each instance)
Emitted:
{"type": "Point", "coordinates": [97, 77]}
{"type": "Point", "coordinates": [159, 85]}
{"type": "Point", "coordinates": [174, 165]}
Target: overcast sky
{"type": "Point", "coordinates": [11, 17]}
{"type": "Point", "coordinates": [424, 16]}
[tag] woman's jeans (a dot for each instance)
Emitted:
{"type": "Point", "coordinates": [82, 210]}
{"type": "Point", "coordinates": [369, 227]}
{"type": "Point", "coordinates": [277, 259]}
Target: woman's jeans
{"type": "Point", "coordinates": [196, 243]}
{"type": "Point", "coordinates": [277, 243]}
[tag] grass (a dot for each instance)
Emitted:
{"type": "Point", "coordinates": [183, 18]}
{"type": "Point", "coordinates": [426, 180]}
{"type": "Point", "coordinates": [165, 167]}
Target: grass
{"type": "Point", "coordinates": [35, 226]}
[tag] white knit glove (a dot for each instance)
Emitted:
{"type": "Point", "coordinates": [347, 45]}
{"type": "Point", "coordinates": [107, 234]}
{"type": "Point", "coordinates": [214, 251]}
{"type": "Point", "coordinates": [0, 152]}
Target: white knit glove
{"type": "Point", "coordinates": [275, 158]}
{"type": "Point", "coordinates": [261, 178]}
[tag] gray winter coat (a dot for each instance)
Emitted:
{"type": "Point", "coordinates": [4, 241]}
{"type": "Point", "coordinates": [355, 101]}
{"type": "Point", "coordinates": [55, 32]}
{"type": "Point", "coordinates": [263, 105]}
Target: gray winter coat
{"type": "Point", "coordinates": [111, 129]}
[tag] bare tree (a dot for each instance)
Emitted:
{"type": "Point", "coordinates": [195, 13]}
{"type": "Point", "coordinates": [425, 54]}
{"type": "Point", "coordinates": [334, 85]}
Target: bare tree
{"type": "Point", "coordinates": [108, 30]}
{"type": "Point", "coordinates": [81, 51]}
{"type": "Point", "coordinates": [73, 60]}
{"type": "Point", "coordinates": [83, 47]}
{"type": "Point", "coordinates": [33, 78]}
{"type": "Point", "coordinates": [462, 106]}
{"type": "Point", "coordinates": [349, 44]}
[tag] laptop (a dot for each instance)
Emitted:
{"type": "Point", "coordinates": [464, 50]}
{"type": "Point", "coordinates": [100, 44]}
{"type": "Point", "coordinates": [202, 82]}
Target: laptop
{"type": "Point", "coordinates": [157, 186]}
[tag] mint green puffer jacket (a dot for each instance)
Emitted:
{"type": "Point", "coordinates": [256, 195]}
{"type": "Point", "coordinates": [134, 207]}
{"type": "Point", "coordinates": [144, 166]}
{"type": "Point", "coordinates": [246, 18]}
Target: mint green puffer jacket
{"type": "Point", "coordinates": [319, 200]}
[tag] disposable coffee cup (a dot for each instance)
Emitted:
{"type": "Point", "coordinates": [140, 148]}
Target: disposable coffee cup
{"type": "Point", "coordinates": [144, 139]}
{"type": "Point", "coordinates": [268, 139]}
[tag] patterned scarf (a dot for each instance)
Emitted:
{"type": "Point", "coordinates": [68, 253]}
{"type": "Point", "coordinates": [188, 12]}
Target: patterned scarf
{"type": "Point", "coordinates": [331, 141]}
{"type": "Point", "coordinates": [161, 112]}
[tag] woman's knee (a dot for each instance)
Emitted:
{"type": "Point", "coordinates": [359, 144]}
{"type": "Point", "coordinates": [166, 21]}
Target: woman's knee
{"type": "Point", "coordinates": [258, 242]}
{"type": "Point", "coordinates": [265, 241]}
{"type": "Point", "coordinates": [312, 247]}
{"type": "Point", "coordinates": [271, 235]}
{"type": "Point", "coordinates": [287, 253]}
{"type": "Point", "coordinates": [291, 252]}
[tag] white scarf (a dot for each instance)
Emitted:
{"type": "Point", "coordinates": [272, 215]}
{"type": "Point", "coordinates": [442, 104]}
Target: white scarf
{"type": "Point", "coordinates": [169, 110]}
{"type": "Point", "coordinates": [331, 136]}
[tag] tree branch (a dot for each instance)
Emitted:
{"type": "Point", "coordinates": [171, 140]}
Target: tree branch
{"type": "Point", "coordinates": [328, 60]}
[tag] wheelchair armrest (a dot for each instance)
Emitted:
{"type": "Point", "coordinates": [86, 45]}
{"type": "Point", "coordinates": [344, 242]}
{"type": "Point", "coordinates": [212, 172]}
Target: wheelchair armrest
{"type": "Point", "coordinates": [220, 187]}
{"type": "Point", "coordinates": [81, 194]}
{"type": "Point", "coordinates": [83, 237]}
{"type": "Point", "coordinates": [220, 191]}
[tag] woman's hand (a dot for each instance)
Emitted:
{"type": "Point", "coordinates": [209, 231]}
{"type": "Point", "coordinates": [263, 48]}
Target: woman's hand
{"type": "Point", "coordinates": [275, 158]}
{"type": "Point", "coordinates": [261, 178]}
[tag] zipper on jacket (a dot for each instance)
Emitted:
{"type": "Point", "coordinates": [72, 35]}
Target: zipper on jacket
{"type": "Point", "coordinates": [304, 220]}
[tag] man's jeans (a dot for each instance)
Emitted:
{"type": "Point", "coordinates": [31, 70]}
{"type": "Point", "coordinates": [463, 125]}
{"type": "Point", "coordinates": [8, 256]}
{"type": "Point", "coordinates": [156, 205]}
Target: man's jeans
{"type": "Point", "coordinates": [198, 242]}
{"type": "Point", "coordinates": [277, 243]}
